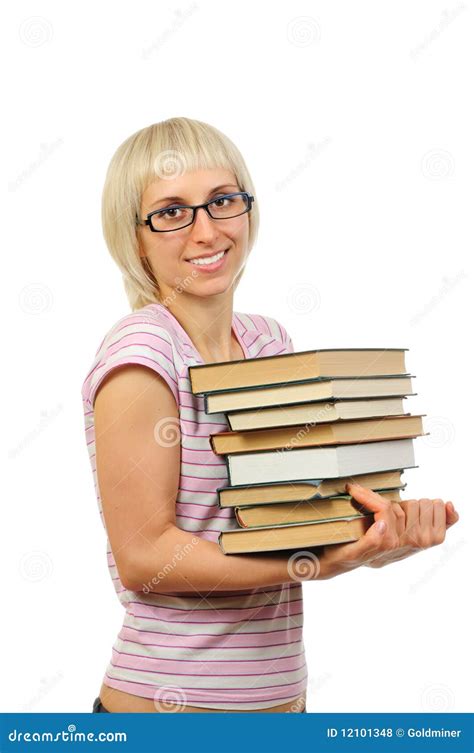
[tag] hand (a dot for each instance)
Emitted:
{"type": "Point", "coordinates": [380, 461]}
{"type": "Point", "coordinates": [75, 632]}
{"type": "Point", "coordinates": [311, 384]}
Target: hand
{"type": "Point", "coordinates": [420, 524]}
{"type": "Point", "coordinates": [408, 526]}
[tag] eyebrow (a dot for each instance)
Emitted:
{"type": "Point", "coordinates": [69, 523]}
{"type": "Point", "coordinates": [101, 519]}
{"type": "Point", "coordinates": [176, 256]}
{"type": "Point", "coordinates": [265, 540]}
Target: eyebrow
{"type": "Point", "coordinates": [180, 198]}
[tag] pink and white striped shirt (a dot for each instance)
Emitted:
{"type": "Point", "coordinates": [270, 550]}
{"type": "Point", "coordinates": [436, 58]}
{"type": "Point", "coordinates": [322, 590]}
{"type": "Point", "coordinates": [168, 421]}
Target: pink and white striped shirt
{"type": "Point", "coordinates": [236, 650]}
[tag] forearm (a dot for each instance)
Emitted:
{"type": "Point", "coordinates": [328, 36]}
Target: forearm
{"type": "Point", "coordinates": [181, 562]}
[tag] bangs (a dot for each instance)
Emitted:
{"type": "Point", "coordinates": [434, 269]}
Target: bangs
{"type": "Point", "coordinates": [180, 147]}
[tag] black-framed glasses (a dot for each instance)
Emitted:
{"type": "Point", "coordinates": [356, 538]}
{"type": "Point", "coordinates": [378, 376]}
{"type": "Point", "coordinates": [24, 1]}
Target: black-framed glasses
{"type": "Point", "coordinates": [177, 216]}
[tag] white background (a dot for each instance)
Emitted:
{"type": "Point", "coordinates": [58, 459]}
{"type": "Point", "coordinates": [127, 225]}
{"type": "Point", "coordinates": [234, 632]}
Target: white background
{"type": "Point", "coordinates": [356, 124]}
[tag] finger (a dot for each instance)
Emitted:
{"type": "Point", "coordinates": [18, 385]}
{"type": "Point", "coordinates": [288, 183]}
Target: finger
{"type": "Point", "coordinates": [399, 518]}
{"type": "Point", "coordinates": [369, 498]}
{"type": "Point", "coordinates": [439, 521]}
{"type": "Point", "coordinates": [426, 522]}
{"type": "Point", "coordinates": [356, 553]}
{"type": "Point", "coordinates": [378, 539]}
{"type": "Point", "coordinates": [412, 520]}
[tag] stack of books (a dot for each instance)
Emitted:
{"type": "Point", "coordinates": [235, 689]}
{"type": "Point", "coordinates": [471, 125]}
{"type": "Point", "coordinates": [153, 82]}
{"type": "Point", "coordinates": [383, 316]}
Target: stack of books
{"type": "Point", "coordinates": [301, 426]}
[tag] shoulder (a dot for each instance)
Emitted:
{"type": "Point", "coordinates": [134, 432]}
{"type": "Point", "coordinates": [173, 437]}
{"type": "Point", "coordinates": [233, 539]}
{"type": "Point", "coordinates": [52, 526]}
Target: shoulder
{"type": "Point", "coordinates": [268, 329]}
{"type": "Point", "coordinates": [146, 337]}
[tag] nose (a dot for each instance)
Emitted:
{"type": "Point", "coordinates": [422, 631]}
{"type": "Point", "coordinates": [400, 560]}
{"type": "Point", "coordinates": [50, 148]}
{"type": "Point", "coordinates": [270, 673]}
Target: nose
{"type": "Point", "coordinates": [203, 226]}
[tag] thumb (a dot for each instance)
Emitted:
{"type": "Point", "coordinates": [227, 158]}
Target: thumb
{"type": "Point", "coordinates": [378, 528]}
{"type": "Point", "coordinates": [452, 516]}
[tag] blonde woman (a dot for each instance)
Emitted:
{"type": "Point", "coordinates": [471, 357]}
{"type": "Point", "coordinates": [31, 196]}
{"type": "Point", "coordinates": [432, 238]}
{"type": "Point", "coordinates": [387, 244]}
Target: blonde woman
{"type": "Point", "coordinates": [202, 631]}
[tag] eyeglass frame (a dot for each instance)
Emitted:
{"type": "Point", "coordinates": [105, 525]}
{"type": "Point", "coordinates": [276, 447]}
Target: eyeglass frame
{"type": "Point", "coordinates": [195, 207]}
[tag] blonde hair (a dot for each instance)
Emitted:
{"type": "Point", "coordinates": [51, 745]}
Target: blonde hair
{"type": "Point", "coordinates": [161, 150]}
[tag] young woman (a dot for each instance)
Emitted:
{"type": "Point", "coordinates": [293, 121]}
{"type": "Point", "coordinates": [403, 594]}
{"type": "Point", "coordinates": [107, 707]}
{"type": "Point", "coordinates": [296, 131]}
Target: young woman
{"type": "Point", "coordinates": [202, 631]}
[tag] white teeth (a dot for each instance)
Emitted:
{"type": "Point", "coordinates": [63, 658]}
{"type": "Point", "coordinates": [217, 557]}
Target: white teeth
{"type": "Point", "coordinates": [209, 260]}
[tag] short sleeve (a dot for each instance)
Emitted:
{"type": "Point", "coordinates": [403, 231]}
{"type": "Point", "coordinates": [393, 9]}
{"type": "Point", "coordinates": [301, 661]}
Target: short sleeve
{"type": "Point", "coordinates": [287, 341]}
{"type": "Point", "coordinates": [137, 340]}
{"type": "Point", "coordinates": [279, 334]}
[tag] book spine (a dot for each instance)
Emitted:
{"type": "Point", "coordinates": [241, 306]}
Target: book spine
{"type": "Point", "coordinates": [227, 462]}
{"type": "Point", "coordinates": [219, 541]}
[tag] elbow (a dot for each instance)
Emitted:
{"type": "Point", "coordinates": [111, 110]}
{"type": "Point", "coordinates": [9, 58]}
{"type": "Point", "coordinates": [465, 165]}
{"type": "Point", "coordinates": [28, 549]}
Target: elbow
{"type": "Point", "coordinates": [133, 578]}
{"type": "Point", "coordinates": [129, 574]}
{"type": "Point", "coordinates": [143, 570]}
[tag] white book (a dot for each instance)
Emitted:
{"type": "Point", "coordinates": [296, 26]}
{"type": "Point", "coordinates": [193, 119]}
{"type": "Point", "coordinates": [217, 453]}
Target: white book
{"type": "Point", "coordinates": [319, 462]}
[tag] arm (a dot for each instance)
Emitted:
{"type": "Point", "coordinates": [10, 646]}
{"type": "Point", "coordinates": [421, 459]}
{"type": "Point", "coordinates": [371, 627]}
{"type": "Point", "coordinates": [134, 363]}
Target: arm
{"type": "Point", "coordinates": [138, 468]}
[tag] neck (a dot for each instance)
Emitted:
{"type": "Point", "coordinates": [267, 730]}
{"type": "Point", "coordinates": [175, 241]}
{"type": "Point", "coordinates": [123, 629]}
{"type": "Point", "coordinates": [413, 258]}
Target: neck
{"type": "Point", "coordinates": [208, 322]}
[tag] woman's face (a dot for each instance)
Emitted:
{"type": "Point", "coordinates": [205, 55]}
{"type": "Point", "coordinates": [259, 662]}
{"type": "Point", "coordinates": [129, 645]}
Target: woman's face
{"type": "Point", "coordinates": [169, 253]}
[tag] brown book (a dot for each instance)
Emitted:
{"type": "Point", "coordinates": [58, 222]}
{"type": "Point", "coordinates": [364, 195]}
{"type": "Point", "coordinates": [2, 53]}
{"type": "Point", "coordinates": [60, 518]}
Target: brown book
{"type": "Point", "coordinates": [305, 512]}
{"type": "Point", "coordinates": [318, 413]}
{"type": "Point", "coordinates": [309, 489]}
{"type": "Point", "coordinates": [306, 435]}
{"type": "Point", "coordinates": [307, 391]}
{"type": "Point", "coordinates": [301, 536]}
{"type": "Point", "coordinates": [291, 367]}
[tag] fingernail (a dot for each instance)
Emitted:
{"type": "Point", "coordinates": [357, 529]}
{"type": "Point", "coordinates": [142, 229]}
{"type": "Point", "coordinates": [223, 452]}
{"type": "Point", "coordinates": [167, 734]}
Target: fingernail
{"type": "Point", "coordinates": [381, 526]}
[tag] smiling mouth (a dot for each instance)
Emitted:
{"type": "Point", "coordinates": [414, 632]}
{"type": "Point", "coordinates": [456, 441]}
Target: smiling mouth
{"type": "Point", "coordinates": [204, 261]}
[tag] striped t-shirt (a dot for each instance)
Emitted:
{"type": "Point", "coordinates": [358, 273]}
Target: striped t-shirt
{"type": "Point", "coordinates": [236, 650]}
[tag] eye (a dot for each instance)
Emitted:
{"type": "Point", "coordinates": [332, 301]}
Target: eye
{"type": "Point", "coordinates": [222, 198]}
{"type": "Point", "coordinates": [169, 212]}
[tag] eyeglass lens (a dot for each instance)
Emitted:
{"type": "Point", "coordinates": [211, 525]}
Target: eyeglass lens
{"type": "Point", "coordinates": [172, 218]}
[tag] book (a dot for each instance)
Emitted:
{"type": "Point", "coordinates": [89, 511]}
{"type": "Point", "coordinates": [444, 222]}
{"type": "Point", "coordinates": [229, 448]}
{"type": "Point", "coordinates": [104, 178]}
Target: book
{"type": "Point", "coordinates": [291, 367]}
{"type": "Point", "coordinates": [343, 506]}
{"type": "Point", "coordinates": [301, 426]}
{"type": "Point", "coordinates": [338, 432]}
{"type": "Point", "coordinates": [308, 489]}
{"type": "Point", "coordinates": [319, 462]}
{"type": "Point", "coordinates": [321, 412]}
{"type": "Point", "coordinates": [300, 536]}
{"type": "Point", "coordinates": [306, 391]}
